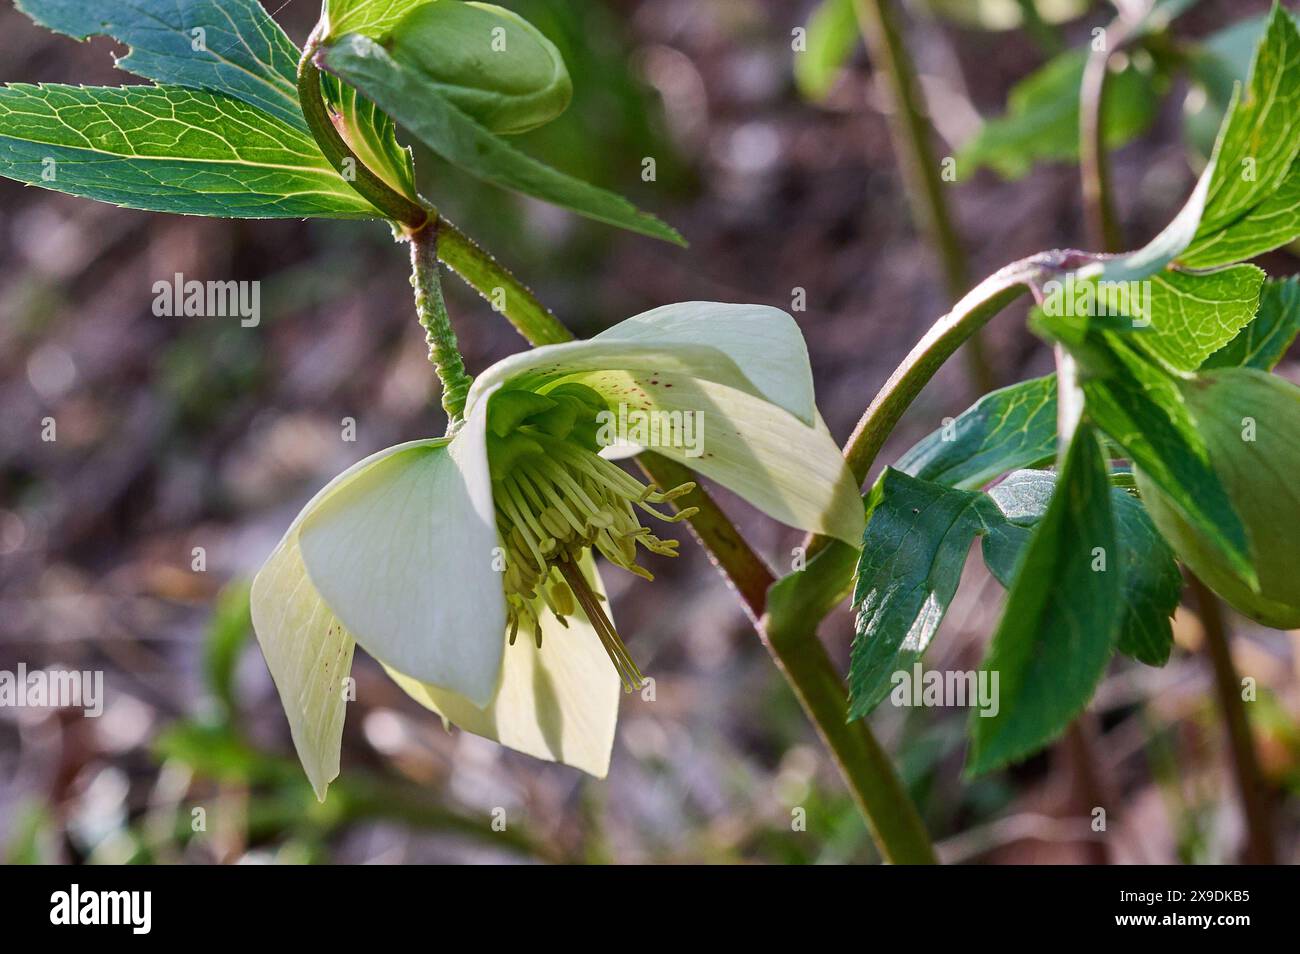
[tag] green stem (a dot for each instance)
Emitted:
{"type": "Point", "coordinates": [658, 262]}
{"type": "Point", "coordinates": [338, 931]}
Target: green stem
{"type": "Point", "coordinates": [917, 161]}
{"type": "Point", "coordinates": [432, 311]}
{"type": "Point", "coordinates": [1245, 763]}
{"type": "Point", "coordinates": [1094, 161]}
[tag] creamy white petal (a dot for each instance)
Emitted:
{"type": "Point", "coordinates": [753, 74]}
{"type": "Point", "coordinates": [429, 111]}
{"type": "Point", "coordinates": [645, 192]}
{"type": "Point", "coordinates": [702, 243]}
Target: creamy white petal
{"type": "Point", "coordinates": [403, 554]}
{"type": "Point", "coordinates": [764, 342]}
{"type": "Point", "coordinates": [307, 649]}
{"type": "Point", "coordinates": [309, 654]}
{"type": "Point", "coordinates": [792, 472]}
{"type": "Point", "coordinates": [753, 348]}
{"type": "Point", "coordinates": [558, 703]}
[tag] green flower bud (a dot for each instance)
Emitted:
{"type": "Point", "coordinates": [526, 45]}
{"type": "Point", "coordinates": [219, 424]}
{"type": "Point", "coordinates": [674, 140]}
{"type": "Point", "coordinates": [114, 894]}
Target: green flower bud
{"type": "Point", "coordinates": [490, 63]}
{"type": "Point", "coordinates": [1250, 421]}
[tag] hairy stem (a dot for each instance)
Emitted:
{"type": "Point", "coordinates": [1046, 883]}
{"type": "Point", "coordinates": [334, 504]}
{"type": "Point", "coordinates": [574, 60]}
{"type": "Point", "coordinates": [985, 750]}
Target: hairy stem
{"type": "Point", "coordinates": [432, 312]}
{"type": "Point", "coordinates": [1094, 161]}
{"type": "Point", "coordinates": [1245, 764]}
{"type": "Point", "coordinates": [910, 132]}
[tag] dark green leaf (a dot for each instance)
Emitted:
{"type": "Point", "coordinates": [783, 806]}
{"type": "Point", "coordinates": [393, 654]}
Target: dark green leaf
{"type": "Point", "coordinates": [915, 546]}
{"type": "Point", "coordinates": [1004, 430]}
{"type": "Point", "coordinates": [229, 47]}
{"type": "Point", "coordinates": [168, 149]}
{"type": "Point", "coordinates": [1061, 619]}
{"type": "Point", "coordinates": [1141, 409]}
{"type": "Point", "coordinates": [1264, 341]}
{"type": "Point", "coordinates": [414, 101]}
{"type": "Point", "coordinates": [1042, 118]}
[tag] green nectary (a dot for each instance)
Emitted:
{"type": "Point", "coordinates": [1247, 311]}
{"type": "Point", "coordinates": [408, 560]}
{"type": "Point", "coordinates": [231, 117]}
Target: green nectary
{"type": "Point", "coordinates": [1251, 424]}
{"type": "Point", "coordinates": [488, 61]}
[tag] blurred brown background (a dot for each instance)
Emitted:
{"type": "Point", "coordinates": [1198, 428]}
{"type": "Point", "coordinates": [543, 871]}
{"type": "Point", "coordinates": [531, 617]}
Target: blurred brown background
{"type": "Point", "coordinates": [177, 433]}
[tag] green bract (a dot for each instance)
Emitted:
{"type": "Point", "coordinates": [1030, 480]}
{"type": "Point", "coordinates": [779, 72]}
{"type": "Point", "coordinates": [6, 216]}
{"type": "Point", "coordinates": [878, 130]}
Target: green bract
{"type": "Point", "coordinates": [490, 63]}
{"type": "Point", "coordinates": [465, 565]}
{"type": "Point", "coordinates": [1251, 424]}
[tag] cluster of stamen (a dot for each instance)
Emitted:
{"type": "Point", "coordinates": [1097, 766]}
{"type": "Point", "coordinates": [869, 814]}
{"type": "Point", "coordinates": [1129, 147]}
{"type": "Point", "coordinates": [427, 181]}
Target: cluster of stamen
{"type": "Point", "coordinates": [554, 506]}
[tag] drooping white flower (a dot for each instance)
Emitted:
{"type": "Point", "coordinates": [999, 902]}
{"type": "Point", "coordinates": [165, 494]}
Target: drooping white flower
{"type": "Point", "coordinates": [464, 564]}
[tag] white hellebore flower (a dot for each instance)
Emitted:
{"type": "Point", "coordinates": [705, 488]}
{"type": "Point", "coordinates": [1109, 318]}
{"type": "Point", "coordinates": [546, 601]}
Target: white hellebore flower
{"type": "Point", "coordinates": [434, 555]}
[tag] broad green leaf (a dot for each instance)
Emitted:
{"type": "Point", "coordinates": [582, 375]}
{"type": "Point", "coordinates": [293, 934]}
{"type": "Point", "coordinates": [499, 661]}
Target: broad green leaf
{"type": "Point", "coordinates": [413, 101]}
{"type": "Point", "coordinates": [372, 18]}
{"type": "Point", "coordinates": [1006, 429]}
{"type": "Point", "coordinates": [1269, 225]}
{"type": "Point", "coordinates": [1261, 137]}
{"type": "Point", "coordinates": [1141, 409]}
{"type": "Point", "coordinates": [370, 133]}
{"type": "Point", "coordinates": [1259, 140]}
{"type": "Point", "coordinates": [1042, 119]}
{"type": "Point", "coordinates": [915, 545]}
{"type": "Point", "coordinates": [1264, 341]}
{"type": "Point", "coordinates": [1151, 581]}
{"type": "Point", "coordinates": [168, 149]}
{"type": "Point", "coordinates": [1193, 315]}
{"type": "Point", "coordinates": [1061, 619]}
{"type": "Point", "coordinates": [832, 36]}
{"type": "Point", "coordinates": [229, 47]}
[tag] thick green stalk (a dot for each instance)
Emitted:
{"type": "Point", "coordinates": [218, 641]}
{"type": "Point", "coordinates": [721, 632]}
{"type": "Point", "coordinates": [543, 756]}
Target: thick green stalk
{"type": "Point", "coordinates": [917, 161]}
{"type": "Point", "coordinates": [432, 312]}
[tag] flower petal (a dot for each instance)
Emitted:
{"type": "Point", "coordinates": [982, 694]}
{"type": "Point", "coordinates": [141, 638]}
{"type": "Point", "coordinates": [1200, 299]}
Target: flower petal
{"type": "Point", "coordinates": [403, 553]}
{"type": "Point", "coordinates": [307, 649]}
{"type": "Point", "coordinates": [752, 348]}
{"type": "Point", "coordinates": [792, 472]}
{"type": "Point", "coordinates": [558, 703]}
{"type": "Point", "coordinates": [309, 654]}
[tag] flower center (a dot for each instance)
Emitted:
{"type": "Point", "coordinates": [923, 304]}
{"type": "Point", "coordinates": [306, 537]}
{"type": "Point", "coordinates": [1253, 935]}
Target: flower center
{"type": "Point", "coordinates": [555, 499]}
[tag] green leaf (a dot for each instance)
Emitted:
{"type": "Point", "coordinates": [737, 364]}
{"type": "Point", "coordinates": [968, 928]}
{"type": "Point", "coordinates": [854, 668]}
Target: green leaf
{"type": "Point", "coordinates": [1004, 430]}
{"type": "Point", "coordinates": [168, 149]}
{"type": "Point", "coordinates": [1261, 138]}
{"type": "Point", "coordinates": [1264, 341]}
{"type": "Point", "coordinates": [1269, 225]}
{"type": "Point", "coordinates": [241, 51]}
{"type": "Point", "coordinates": [414, 101]}
{"type": "Point", "coordinates": [832, 36]}
{"type": "Point", "coordinates": [913, 551]}
{"type": "Point", "coordinates": [1151, 581]}
{"type": "Point", "coordinates": [372, 18]}
{"type": "Point", "coordinates": [1193, 315]}
{"type": "Point", "coordinates": [1042, 119]}
{"type": "Point", "coordinates": [371, 134]}
{"type": "Point", "coordinates": [1061, 619]}
{"type": "Point", "coordinates": [1141, 408]}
